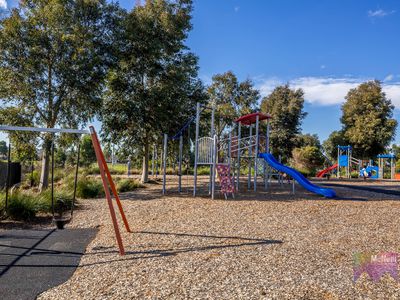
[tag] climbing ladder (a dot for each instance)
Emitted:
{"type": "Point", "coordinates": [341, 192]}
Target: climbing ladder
{"type": "Point", "coordinates": [227, 184]}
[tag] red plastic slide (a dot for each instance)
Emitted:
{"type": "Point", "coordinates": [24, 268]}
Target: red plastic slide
{"type": "Point", "coordinates": [323, 172]}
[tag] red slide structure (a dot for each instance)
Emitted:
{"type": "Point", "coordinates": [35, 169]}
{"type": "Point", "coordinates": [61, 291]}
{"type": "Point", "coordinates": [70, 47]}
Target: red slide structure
{"type": "Point", "coordinates": [323, 172]}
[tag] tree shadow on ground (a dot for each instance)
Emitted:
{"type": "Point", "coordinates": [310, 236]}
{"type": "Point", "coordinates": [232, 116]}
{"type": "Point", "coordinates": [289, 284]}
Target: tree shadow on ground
{"type": "Point", "coordinates": [146, 254]}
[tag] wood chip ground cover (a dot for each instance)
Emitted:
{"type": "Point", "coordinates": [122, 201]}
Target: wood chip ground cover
{"type": "Point", "coordinates": [268, 245]}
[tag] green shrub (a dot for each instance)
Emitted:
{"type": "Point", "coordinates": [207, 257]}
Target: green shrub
{"type": "Point", "coordinates": [92, 170]}
{"type": "Point", "coordinates": [33, 177]}
{"type": "Point", "coordinates": [89, 188]}
{"type": "Point", "coordinates": [62, 201]}
{"type": "Point", "coordinates": [127, 185]}
{"type": "Point", "coordinates": [59, 174]}
{"type": "Point", "coordinates": [119, 169]}
{"type": "Point", "coordinates": [203, 171]}
{"type": "Point", "coordinates": [22, 206]}
{"type": "Point", "coordinates": [2, 202]}
{"type": "Point", "coordinates": [355, 174]}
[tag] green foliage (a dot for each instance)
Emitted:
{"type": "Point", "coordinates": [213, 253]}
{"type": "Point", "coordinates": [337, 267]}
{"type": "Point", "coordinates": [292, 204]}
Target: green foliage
{"type": "Point", "coordinates": [23, 144]}
{"type": "Point", "coordinates": [89, 188]}
{"type": "Point", "coordinates": [367, 119]}
{"type": "Point", "coordinates": [231, 98]}
{"type": "Point", "coordinates": [22, 206]}
{"type": "Point", "coordinates": [117, 169]}
{"type": "Point", "coordinates": [203, 171]}
{"type": "Point", "coordinates": [336, 138]}
{"type": "Point", "coordinates": [33, 177]}
{"type": "Point", "coordinates": [286, 107]}
{"type": "Point", "coordinates": [155, 85]}
{"type": "Point", "coordinates": [58, 78]}
{"type": "Point", "coordinates": [308, 159]}
{"type": "Point", "coordinates": [128, 185]}
{"type": "Point", "coordinates": [3, 148]}
{"type": "Point", "coordinates": [62, 201]}
{"type": "Point", "coordinates": [303, 140]}
{"type": "Point", "coordinates": [88, 156]}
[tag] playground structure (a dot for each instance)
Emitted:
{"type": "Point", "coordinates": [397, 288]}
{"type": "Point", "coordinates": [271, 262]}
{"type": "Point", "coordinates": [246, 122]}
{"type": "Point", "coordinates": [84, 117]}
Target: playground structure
{"type": "Point", "coordinates": [108, 183]}
{"type": "Point", "coordinates": [224, 157]}
{"type": "Point", "coordinates": [346, 161]}
{"type": "Point", "coordinates": [382, 158]}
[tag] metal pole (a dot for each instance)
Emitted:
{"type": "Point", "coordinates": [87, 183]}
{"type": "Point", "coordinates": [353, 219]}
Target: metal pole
{"type": "Point", "coordinates": [349, 162]}
{"type": "Point", "coordinates": [152, 161]}
{"type": "Point", "coordinates": [52, 175]}
{"type": "Point", "coordinates": [8, 174]}
{"type": "Point", "coordinates": [76, 177]}
{"type": "Point", "coordinates": [393, 168]}
{"type": "Point", "coordinates": [256, 152]}
{"type": "Point", "coordinates": [238, 156]}
{"type": "Point", "coordinates": [293, 186]}
{"type": "Point", "coordinates": [180, 163]}
{"type": "Point", "coordinates": [338, 162]}
{"type": "Point", "coordinates": [250, 148]}
{"type": "Point", "coordinates": [212, 133]}
{"type": "Point", "coordinates": [196, 148]}
{"type": "Point", "coordinates": [156, 160]}
{"type": "Point", "coordinates": [165, 163]}
{"type": "Point", "coordinates": [215, 158]}
{"type": "Point", "coordinates": [32, 169]}
{"type": "Point", "coordinates": [230, 148]}
{"type": "Point", "coordinates": [267, 139]}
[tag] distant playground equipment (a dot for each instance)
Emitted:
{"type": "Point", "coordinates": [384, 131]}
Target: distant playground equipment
{"type": "Point", "coordinates": [378, 172]}
{"type": "Point", "coordinates": [224, 157]}
{"type": "Point", "coordinates": [346, 161]}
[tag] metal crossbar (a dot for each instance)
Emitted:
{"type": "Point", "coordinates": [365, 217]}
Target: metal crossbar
{"type": "Point", "coordinates": [38, 129]}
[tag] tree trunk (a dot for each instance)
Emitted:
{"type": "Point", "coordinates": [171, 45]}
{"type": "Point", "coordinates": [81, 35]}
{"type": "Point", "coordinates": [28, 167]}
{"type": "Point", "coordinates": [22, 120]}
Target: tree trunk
{"type": "Point", "coordinates": [145, 165]}
{"type": "Point", "coordinates": [44, 175]}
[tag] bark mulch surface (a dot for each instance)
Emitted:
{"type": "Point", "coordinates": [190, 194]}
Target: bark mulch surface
{"type": "Point", "coordinates": [264, 245]}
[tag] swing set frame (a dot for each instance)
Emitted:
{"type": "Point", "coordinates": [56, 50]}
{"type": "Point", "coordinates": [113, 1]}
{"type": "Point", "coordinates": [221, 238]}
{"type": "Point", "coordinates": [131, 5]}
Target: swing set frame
{"type": "Point", "coordinates": [108, 183]}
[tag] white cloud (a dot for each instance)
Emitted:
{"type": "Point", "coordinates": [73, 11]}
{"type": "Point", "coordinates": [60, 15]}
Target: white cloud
{"type": "Point", "coordinates": [322, 67]}
{"type": "Point", "coordinates": [389, 77]}
{"type": "Point", "coordinates": [393, 92]}
{"type": "Point", "coordinates": [328, 91]}
{"type": "Point", "coordinates": [3, 4]}
{"type": "Point", "coordinates": [236, 8]}
{"type": "Point", "coordinates": [379, 13]}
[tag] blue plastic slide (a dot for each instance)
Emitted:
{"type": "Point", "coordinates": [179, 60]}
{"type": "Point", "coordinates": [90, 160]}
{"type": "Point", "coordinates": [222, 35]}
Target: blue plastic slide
{"type": "Point", "coordinates": [270, 159]}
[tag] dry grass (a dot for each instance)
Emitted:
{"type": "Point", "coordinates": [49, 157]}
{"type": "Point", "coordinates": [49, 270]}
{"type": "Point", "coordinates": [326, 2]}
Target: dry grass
{"type": "Point", "coordinates": [269, 245]}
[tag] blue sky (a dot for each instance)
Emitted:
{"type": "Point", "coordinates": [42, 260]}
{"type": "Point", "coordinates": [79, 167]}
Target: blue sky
{"type": "Point", "coordinates": [325, 47]}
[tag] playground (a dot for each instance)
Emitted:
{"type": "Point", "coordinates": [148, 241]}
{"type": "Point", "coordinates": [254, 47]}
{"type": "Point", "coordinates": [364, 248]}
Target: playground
{"type": "Point", "coordinates": [242, 230]}
{"type": "Point", "coordinates": [270, 245]}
